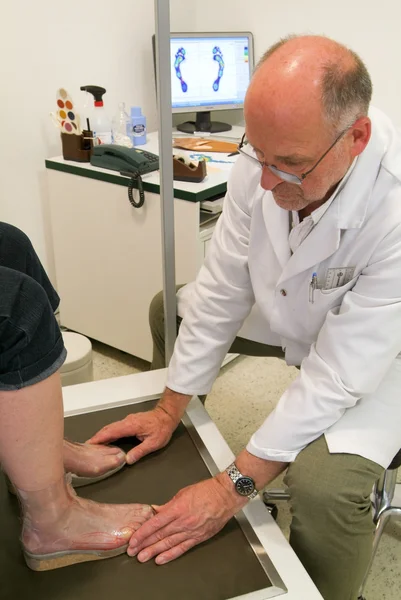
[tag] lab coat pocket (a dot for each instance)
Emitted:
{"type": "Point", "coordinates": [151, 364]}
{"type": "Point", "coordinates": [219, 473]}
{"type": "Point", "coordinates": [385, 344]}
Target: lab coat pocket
{"type": "Point", "coordinates": [326, 300]}
{"type": "Point", "coordinates": [339, 291]}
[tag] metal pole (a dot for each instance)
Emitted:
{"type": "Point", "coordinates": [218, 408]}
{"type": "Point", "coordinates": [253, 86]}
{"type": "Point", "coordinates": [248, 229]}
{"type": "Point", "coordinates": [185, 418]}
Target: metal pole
{"type": "Point", "coordinates": [163, 76]}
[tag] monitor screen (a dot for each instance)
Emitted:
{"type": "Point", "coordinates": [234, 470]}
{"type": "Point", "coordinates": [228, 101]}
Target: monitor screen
{"type": "Point", "coordinates": [210, 71]}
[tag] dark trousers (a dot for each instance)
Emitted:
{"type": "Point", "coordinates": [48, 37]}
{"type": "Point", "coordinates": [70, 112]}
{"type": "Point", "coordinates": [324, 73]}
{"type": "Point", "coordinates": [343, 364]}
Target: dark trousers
{"type": "Point", "coordinates": [31, 345]}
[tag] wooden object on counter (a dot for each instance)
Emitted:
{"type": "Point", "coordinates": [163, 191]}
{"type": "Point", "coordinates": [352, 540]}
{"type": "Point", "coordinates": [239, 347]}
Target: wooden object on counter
{"type": "Point", "coordinates": [205, 145]}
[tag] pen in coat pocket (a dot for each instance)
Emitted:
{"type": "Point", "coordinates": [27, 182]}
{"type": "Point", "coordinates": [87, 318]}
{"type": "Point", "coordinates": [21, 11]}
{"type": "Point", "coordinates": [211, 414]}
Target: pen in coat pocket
{"type": "Point", "coordinates": [312, 288]}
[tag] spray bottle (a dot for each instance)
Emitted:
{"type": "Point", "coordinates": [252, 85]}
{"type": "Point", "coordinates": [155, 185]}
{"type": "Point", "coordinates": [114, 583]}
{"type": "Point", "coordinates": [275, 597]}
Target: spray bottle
{"type": "Point", "coordinates": [99, 121]}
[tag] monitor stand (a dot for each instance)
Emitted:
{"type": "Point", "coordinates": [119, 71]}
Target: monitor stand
{"type": "Point", "coordinates": [203, 123]}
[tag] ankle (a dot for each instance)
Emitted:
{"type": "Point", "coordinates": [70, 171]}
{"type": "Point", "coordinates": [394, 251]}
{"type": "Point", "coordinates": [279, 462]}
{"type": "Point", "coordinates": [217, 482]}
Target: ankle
{"type": "Point", "coordinates": [43, 508]}
{"type": "Point", "coordinates": [69, 455]}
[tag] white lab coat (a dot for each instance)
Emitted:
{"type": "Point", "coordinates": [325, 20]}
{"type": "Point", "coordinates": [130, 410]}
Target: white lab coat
{"type": "Point", "coordinates": [348, 339]}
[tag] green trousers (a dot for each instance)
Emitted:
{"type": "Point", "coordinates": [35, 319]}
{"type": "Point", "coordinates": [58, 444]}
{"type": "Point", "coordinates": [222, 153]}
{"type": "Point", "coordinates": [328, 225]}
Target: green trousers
{"type": "Point", "coordinates": [332, 528]}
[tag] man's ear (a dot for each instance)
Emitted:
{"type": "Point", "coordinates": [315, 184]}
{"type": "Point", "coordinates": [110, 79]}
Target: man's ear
{"type": "Point", "coordinates": [361, 131]}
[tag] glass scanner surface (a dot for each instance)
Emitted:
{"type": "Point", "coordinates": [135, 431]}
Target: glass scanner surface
{"type": "Point", "coordinates": [230, 565]}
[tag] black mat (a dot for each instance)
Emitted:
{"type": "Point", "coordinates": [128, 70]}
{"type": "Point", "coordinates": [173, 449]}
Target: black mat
{"type": "Point", "coordinates": [221, 568]}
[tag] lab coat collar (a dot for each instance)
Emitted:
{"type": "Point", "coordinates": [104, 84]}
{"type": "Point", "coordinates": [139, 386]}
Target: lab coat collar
{"type": "Point", "coordinates": [347, 211]}
{"type": "Point", "coordinates": [278, 227]}
{"type": "Point", "coordinates": [382, 151]}
{"type": "Point", "coordinates": [318, 213]}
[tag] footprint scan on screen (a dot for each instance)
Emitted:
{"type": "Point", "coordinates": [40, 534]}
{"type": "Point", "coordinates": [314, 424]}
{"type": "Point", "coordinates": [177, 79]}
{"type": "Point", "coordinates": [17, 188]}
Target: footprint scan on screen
{"type": "Point", "coordinates": [179, 58]}
{"type": "Point", "coordinates": [218, 57]}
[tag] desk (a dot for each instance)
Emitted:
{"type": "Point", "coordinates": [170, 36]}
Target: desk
{"type": "Point", "coordinates": [107, 254]}
{"type": "Point", "coordinates": [290, 580]}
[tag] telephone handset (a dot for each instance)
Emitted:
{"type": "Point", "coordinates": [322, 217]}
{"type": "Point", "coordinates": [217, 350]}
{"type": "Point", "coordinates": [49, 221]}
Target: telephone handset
{"type": "Point", "coordinates": [131, 162]}
{"type": "Point", "coordinates": [120, 158]}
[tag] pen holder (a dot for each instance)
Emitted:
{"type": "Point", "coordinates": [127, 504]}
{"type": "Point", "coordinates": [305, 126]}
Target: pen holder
{"type": "Point", "coordinates": [77, 147]}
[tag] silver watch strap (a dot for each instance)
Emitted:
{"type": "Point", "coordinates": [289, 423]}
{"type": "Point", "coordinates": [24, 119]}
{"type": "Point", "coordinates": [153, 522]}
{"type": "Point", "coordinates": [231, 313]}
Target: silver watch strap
{"type": "Point", "coordinates": [234, 474]}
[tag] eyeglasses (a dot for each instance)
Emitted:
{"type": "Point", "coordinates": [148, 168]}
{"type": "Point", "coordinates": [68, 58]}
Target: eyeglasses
{"type": "Point", "coordinates": [288, 177]}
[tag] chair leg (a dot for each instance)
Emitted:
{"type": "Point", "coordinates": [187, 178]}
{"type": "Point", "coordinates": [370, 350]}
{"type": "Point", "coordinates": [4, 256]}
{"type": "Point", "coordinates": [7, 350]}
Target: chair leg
{"type": "Point", "coordinates": [272, 494]}
{"type": "Point", "coordinates": [381, 524]}
{"type": "Point", "coordinates": [384, 493]}
{"type": "Point", "coordinates": [273, 510]}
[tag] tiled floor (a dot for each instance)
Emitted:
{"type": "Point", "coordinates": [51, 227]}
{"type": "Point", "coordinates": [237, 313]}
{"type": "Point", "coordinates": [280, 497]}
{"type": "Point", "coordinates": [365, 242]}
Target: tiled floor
{"type": "Point", "coordinates": [243, 395]}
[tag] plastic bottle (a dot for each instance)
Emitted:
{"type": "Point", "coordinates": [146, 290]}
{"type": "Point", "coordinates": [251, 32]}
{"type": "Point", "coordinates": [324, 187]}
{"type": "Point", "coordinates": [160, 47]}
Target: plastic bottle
{"type": "Point", "coordinates": [138, 122]}
{"type": "Point", "coordinates": [99, 121]}
{"type": "Point", "coordinates": [121, 127]}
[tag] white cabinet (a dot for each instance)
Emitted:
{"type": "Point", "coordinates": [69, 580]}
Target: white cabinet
{"type": "Point", "coordinates": [107, 254]}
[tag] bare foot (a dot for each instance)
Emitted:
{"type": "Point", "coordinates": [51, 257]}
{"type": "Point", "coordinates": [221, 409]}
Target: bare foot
{"type": "Point", "coordinates": [91, 460]}
{"type": "Point", "coordinates": [82, 525]}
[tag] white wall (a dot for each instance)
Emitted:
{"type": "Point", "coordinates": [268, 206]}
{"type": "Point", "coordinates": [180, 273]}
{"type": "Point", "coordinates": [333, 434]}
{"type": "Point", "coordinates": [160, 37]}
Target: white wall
{"type": "Point", "coordinates": [372, 29]}
{"type": "Point", "coordinates": [45, 45]}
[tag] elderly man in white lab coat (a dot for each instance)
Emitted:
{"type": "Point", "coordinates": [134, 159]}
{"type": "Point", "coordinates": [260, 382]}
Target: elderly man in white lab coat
{"type": "Point", "coordinates": [306, 258]}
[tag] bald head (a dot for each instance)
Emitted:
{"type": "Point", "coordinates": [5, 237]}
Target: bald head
{"type": "Point", "coordinates": [306, 115]}
{"type": "Point", "coordinates": [312, 80]}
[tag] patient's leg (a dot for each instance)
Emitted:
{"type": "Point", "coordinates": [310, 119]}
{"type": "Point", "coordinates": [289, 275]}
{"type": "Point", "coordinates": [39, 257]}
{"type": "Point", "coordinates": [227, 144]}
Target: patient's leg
{"type": "Point", "coordinates": [21, 305]}
{"type": "Point", "coordinates": [55, 519]}
{"type": "Point", "coordinates": [31, 437]}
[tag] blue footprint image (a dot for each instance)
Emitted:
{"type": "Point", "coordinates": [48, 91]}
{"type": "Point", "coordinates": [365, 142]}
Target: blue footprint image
{"type": "Point", "coordinates": [218, 56]}
{"type": "Point", "coordinates": [179, 58]}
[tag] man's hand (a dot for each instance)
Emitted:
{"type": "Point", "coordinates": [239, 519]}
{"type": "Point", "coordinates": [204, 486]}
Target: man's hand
{"type": "Point", "coordinates": [198, 512]}
{"type": "Point", "coordinates": [194, 515]}
{"type": "Point", "coordinates": [154, 428]}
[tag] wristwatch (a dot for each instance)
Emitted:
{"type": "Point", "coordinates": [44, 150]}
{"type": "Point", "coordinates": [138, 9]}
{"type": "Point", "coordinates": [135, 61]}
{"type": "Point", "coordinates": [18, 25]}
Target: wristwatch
{"type": "Point", "coordinates": [245, 486]}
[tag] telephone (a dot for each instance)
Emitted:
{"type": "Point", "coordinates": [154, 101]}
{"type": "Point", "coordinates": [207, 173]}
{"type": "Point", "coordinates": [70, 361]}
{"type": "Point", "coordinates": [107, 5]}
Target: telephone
{"type": "Point", "coordinates": [120, 158]}
{"type": "Point", "coordinates": [131, 162]}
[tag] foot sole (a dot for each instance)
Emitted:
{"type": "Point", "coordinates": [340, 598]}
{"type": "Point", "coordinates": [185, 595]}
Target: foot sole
{"type": "Point", "coordinates": [57, 560]}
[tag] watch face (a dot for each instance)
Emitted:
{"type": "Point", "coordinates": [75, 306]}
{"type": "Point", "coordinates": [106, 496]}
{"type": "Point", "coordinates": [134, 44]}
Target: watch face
{"type": "Point", "coordinates": [245, 486]}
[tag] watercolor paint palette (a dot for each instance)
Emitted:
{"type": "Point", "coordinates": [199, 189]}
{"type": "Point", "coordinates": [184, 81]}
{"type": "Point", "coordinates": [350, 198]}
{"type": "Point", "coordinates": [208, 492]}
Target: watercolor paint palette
{"type": "Point", "coordinates": [66, 114]}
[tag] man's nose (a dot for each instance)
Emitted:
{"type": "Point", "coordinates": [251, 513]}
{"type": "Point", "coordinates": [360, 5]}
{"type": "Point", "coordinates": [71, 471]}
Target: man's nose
{"type": "Point", "coordinates": [269, 180]}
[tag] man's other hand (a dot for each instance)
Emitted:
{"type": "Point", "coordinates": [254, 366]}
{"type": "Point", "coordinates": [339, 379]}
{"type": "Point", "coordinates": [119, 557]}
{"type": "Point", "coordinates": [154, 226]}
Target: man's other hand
{"type": "Point", "coordinates": [194, 515]}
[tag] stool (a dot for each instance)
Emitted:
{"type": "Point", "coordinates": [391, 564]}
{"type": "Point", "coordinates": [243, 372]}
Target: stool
{"type": "Point", "coordinates": [78, 367]}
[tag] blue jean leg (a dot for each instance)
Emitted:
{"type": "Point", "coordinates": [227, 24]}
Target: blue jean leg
{"type": "Point", "coordinates": [31, 345]}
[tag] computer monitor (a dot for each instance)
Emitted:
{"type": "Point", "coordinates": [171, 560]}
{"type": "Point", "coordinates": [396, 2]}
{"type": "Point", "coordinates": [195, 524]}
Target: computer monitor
{"type": "Point", "coordinates": [209, 71]}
